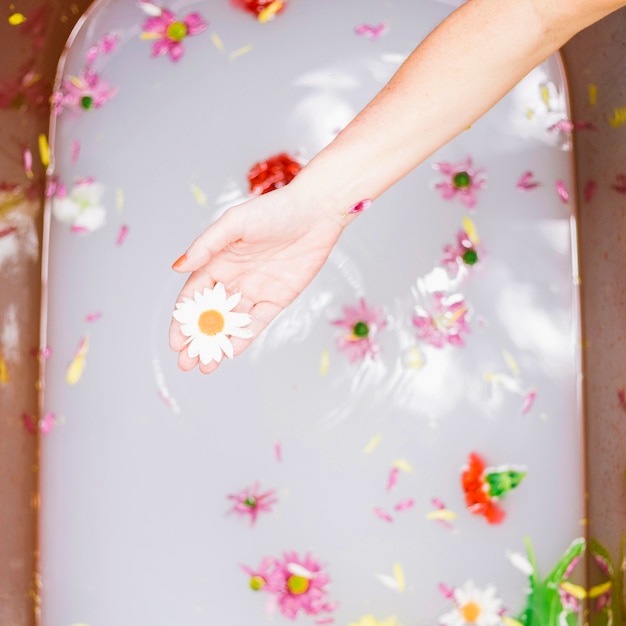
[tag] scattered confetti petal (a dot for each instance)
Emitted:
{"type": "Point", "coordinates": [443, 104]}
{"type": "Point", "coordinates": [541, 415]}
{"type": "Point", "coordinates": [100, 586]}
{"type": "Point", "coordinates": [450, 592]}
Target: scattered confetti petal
{"type": "Point", "coordinates": [593, 94]}
{"type": "Point", "coordinates": [561, 189]}
{"type": "Point", "coordinates": [373, 442]}
{"type": "Point", "coordinates": [620, 183]}
{"type": "Point", "coordinates": [75, 151]}
{"type": "Point", "coordinates": [563, 126]}
{"type": "Point", "coordinates": [217, 42]}
{"type": "Point", "coordinates": [43, 426]}
{"type": "Point", "coordinates": [398, 574]}
{"type": "Point", "coordinates": [77, 366]}
{"type": "Point", "coordinates": [28, 163]}
{"type": "Point", "coordinates": [527, 181]}
{"type": "Point", "coordinates": [44, 150]}
{"type": "Point", "coordinates": [119, 199]}
{"type": "Point", "coordinates": [520, 562]}
{"type": "Point", "coordinates": [619, 117]}
{"type": "Point", "coordinates": [441, 515]}
{"type": "Point", "coordinates": [278, 451]}
{"type": "Point", "coordinates": [529, 400]}
{"type": "Point", "coordinates": [199, 195]}
{"type": "Point", "coordinates": [382, 514]}
{"type": "Point", "coordinates": [15, 19]}
{"type": "Point", "coordinates": [121, 235]}
{"type": "Point", "coordinates": [240, 51]}
{"type": "Point", "coordinates": [511, 363]}
{"type": "Point", "coordinates": [324, 362]}
{"type": "Point", "coordinates": [403, 465]}
{"type": "Point", "coordinates": [392, 479]}
{"type": "Point", "coordinates": [404, 505]}
{"type": "Point", "coordinates": [4, 371]}
{"type": "Point", "coordinates": [93, 317]}
{"type": "Point", "coordinates": [359, 207]}
{"type": "Point", "coordinates": [372, 32]}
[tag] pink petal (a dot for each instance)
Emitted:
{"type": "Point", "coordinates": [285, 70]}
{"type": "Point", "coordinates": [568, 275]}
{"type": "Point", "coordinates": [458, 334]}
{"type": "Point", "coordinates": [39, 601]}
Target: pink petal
{"type": "Point", "coordinates": [75, 151]}
{"type": "Point", "coordinates": [7, 231]}
{"type": "Point", "coordinates": [177, 50]}
{"type": "Point", "coordinates": [404, 505]}
{"type": "Point", "coordinates": [278, 451]}
{"type": "Point", "coordinates": [93, 317]}
{"type": "Point", "coordinates": [447, 592]}
{"type": "Point", "coordinates": [195, 24]}
{"type": "Point", "coordinates": [47, 423]}
{"type": "Point", "coordinates": [382, 514]}
{"type": "Point", "coordinates": [359, 207]}
{"type": "Point", "coordinates": [29, 423]}
{"type": "Point", "coordinates": [590, 190]}
{"type": "Point", "coordinates": [529, 400]}
{"type": "Point", "coordinates": [121, 236]}
{"type": "Point", "coordinates": [526, 182]}
{"type": "Point", "coordinates": [562, 125]}
{"type": "Point", "coordinates": [561, 189]}
{"type": "Point", "coordinates": [160, 47]}
{"type": "Point", "coordinates": [28, 162]}
{"type": "Point", "coordinates": [393, 478]}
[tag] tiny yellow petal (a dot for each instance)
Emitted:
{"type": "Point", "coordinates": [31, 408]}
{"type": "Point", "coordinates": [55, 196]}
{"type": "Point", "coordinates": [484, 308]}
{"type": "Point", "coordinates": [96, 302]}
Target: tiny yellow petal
{"type": "Point", "coordinates": [510, 361]}
{"type": "Point", "coordinates": [44, 150]}
{"type": "Point", "coordinates": [415, 359]}
{"type": "Point", "coordinates": [509, 621]}
{"type": "Point", "coordinates": [374, 441]}
{"type": "Point", "coordinates": [598, 590]}
{"type": "Point", "coordinates": [619, 117]}
{"type": "Point", "coordinates": [150, 36]}
{"type": "Point", "coordinates": [119, 199]}
{"type": "Point", "coordinates": [270, 11]}
{"type": "Point", "coordinates": [4, 372]}
{"type": "Point", "coordinates": [545, 95]}
{"type": "Point", "coordinates": [217, 42]}
{"type": "Point", "coordinates": [16, 19]}
{"type": "Point", "coordinates": [470, 229]}
{"type": "Point", "coordinates": [240, 51]}
{"type": "Point", "coordinates": [77, 366]}
{"type": "Point", "coordinates": [441, 514]}
{"type": "Point", "coordinates": [324, 362]}
{"type": "Point", "coordinates": [576, 590]}
{"type": "Point", "coordinates": [403, 465]}
{"type": "Point", "coordinates": [593, 94]}
{"type": "Point", "coordinates": [199, 195]}
{"type": "Point", "coordinates": [530, 113]}
{"type": "Point", "coordinates": [398, 574]}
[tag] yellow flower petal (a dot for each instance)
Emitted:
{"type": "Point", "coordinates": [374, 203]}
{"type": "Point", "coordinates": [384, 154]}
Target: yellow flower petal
{"type": "Point", "coordinates": [598, 590]}
{"type": "Point", "coordinates": [470, 229]}
{"type": "Point", "coordinates": [324, 362]}
{"type": "Point", "coordinates": [4, 372]}
{"type": "Point", "coordinates": [398, 574]}
{"type": "Point", "coordinates": [44, 150]}
{"type": "Point", "coordinates": [77, 366]}
{"type": "Point", "coordinates": [217, 42]}
{"type": "Point", "coordinates": [270, 11]}
{"type": "Point", "coordinates": [441, 514]}
{"type": "Point", "coordinates": [511, 363]}
{"type": "Point", "coordinates": [15, 19]}
{"type": "Point", "coordinates": [576, 590]}
{"type": "Point", "coordinates": [199, 195]}
{"type": "Point", "coordinates": [240, 51]}
{"type": "Point", "coordinates": [593, 94]}
{"type": "Point", "coordinates": [374, 441]}
{"type": "Point", "coordinates": [403, 465]}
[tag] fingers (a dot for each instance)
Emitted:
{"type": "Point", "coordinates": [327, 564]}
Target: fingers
{"type": "Point", "coordinates": [215, 238]}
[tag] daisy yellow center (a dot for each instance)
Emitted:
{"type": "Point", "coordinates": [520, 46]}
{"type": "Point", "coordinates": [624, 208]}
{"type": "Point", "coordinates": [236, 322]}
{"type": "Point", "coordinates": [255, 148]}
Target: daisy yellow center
{"type": "Point", "coordinates": [211, 322]}
{"type": "Point", "coordinates": [257, 583]}
{"type": "Point", "coordinates": [470, 612]}
{"type": "Point", "coordinates": [177, 31]}
{"type": "Point", "coordinates": [297, 584]}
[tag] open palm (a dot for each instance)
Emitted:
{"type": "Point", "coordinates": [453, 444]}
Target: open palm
{"type": "Point", "coordinates": [268, 249]}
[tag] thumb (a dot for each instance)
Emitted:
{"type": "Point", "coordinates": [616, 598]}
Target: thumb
{"type": "Point", "coordinates": [215, 238]}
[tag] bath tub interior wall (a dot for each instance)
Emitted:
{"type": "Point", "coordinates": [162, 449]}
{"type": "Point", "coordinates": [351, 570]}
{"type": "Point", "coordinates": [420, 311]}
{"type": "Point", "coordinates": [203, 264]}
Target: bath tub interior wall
{"type": "Point", "coordinates": [159, 475]}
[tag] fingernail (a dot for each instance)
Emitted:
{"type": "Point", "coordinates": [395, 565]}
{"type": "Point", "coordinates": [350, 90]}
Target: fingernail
{"type": "Point", "coordinates": [179, 261]}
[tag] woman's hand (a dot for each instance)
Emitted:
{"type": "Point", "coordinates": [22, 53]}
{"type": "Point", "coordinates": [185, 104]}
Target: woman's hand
{"type": "Point", "coordinates": [268, 249]}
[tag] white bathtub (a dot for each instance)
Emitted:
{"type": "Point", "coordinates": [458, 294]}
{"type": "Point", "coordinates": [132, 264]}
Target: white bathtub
{"type": "Point", "coordinates": [364, 457]}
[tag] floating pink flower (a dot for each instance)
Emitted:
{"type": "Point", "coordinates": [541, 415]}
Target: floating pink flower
{"type": "Point", "coordinates": [251, 501]}
{"type": "Point", "coordinates": [464, 253]}
{"type": "Point", "coordinates": [362, 323]}
{"type": "Point", "coordinates": [84, 92]}
{"type": "Point", "coordinates": [169, 32]}
{"type": "Point", "coordinates": [298, 585]}
{"type": "Point", "coordinates": [446, 324]}
{"type": "Point", "coordinates": [460, 180]}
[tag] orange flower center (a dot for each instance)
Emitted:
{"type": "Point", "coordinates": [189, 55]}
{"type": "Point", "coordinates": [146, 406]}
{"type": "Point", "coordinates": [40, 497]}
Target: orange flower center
{"type": "Point", "coordinates": [211, 322]}
{"type": "Point", "coordinates": [470, 612]}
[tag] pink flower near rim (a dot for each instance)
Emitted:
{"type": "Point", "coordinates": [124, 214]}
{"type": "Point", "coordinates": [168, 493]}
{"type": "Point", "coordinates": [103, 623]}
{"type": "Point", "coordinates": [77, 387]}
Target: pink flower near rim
{"type": "Point", "coordinates": [460, 180]}
{"type": "Point", "coordinates": [362, 323]}
{"type": "Point", "coordinates": [465, 253]}
{"type": "Point", "coordinates": [169, 32]}
{"type": "Point", "coordinates": [297, 585]}
{"type": "Point", "coordinates": [84, 92]}
{"type": "Point", "coordinates": [251, 501]}
{"type": "Point", "coordinates": [446, 324]}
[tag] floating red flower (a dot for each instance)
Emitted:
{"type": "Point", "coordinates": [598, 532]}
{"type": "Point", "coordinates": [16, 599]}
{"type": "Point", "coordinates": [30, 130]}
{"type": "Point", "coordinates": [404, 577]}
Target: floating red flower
{"type": "Point", "coordinates": [275, 172]}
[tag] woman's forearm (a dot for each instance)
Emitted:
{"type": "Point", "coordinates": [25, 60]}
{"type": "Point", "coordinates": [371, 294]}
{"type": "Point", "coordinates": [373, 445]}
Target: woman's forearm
{"type": "Point", "coordinates": [454, 76]}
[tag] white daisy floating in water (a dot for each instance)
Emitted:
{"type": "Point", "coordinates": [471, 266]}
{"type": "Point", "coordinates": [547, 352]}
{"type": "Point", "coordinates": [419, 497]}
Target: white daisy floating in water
{"type": "Point", "coordinates": [81, 208]}
{"type": "Point", "coordinates": [474, 606]}
{"type": "Point", "coordinates": [208, 320]}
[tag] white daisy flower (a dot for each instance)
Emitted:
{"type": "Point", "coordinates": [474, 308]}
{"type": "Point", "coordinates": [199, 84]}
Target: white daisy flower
{"type": "Point", "coordinates": [475, 607]}
{"type": "Point", "coordinates": [208, 321]}
{"type": "Point", "coordinates": [81, 207]}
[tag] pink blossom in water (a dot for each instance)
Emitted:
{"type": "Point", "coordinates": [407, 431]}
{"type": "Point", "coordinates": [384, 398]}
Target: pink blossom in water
{"type": "Point", "coordinates": [445, 324]}
{"type": "Point", "coordinates": [464, 253]}
{"type": "Point", "coordinates": [362, 324]}
{"type": "Point", "coordinates": [169, 32]}
{"type": "Point", "coordinates": [461, 181]}
{"type": "Point", "coordinates": [250, 502]}
{"type": "Point", "coordinates": [84, 92]}
{"type": "Point", "coordinates": [298, 585]}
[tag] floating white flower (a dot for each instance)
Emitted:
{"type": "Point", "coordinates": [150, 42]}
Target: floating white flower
{"type": "Point", "coordinates": [208, 321]}
{"type": "Point", "coordinates": [81, 207]}
{"type": "Point", "coordinates": [474, 607]}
